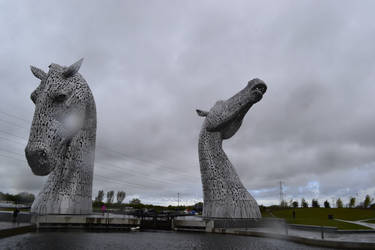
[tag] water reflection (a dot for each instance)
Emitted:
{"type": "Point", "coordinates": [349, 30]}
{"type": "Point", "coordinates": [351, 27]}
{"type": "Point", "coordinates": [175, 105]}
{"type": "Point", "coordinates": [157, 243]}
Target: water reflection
{"type": "Point", "coordinates": [159, 240]}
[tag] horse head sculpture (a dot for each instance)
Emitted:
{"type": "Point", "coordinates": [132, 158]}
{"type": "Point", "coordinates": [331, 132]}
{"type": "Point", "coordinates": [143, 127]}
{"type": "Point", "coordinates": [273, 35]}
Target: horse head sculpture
{"type": "Point", "coordinates": [62, 140]}
{"type": "Point", "coordinates": [223, 193]}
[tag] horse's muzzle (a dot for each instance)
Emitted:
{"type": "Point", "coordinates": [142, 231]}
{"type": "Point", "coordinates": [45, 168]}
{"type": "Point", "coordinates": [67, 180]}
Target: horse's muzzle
{"type": "Point", "coordinates": [38, 159]}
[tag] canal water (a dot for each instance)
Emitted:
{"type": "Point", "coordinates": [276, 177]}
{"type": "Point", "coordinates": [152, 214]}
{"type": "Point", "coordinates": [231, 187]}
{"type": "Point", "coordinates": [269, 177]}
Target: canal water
{"type": "Point", "coordinates": [159, 240]}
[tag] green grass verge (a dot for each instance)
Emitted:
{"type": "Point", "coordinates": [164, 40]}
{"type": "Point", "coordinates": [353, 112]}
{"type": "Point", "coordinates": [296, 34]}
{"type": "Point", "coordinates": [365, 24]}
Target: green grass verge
{"type": "Point", "coordinates": [266, 213]}
{"type": "Point", "coordinates": [319, 216]}
{"type": "Point", "coordinates": [11, 209]}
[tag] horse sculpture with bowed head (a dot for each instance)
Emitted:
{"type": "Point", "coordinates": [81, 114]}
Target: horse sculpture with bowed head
{"type": "Point", "coordinates": [224, 195]}
{"type": "Point", "coordinates": [62, 140]}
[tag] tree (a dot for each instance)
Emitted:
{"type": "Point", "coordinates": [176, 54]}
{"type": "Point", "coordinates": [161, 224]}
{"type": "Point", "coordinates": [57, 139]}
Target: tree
{"type": "Point", "coordinates": [290, 203]}
{"type": "Point", "coordinates": [339, 203]}
{"type": "Point", "coordinates": [304, 203]}
{"type": "Point", "coordinates": [135, 201]}
{"type": "Point", "coordinates": [326, 204]}
{"type": "Point", "coordinates": [198, 207]}
{"type": "Point", "coordinates": [7, 197]}
{"type": "Point", "coordinates": [120, 196]}
{"type": "Point", "coordinates": [110, 197]}
{"type": "Point", "coordinates": [367, 201]}
{"type": "Point", "coordinates": [352, 202]}
{"type": "Point", "coordinates": [100, 196]}
{"type": "Point", "coordinates": [24, 198]}
{"type": "Point", "coordinates": [295, 204]}
{"type": "Point", "coordinates": [315, 203]}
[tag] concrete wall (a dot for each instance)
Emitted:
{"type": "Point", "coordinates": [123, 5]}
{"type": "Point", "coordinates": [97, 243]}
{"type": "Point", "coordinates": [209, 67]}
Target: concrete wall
{"type": "Point", "coordinates": [22, 217]}
{"type": "Point", "coordinates": [81, 220]}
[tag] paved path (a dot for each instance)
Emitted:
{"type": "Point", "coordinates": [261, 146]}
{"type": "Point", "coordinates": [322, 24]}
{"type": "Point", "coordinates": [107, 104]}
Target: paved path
{"type": "Point", "coordinates": [355, 237]}
{"type": "Point", "coordinates": [359, 222]}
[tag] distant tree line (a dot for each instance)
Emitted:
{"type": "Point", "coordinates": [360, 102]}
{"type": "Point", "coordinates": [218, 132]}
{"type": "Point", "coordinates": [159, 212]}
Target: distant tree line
{"type": "Point", "coordinates": [110, 197]}
{"type": "Point", "coordinates": [136, 203]}
{"type": "Point", "coordinates": [366, 203]}
{"type": "Point", "coordinates": [20, 198]}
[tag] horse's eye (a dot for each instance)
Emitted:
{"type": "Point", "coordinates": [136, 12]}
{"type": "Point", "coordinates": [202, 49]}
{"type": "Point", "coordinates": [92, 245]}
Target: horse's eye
{"type": "Point", "coordinates": [59, 98]}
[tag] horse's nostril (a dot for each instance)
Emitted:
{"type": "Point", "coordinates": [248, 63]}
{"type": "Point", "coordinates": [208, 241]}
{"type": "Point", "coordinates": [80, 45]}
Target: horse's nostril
{"type": "Point", "coordinates": [42, 154]}
{"type": "Point", "coordinates": [36, 155]}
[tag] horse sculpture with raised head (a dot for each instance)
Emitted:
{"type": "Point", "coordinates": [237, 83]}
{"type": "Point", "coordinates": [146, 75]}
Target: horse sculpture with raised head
{"type": "Point", "coordinates": [62, 140]}
{"type": "Point", "coordinates": [224, 196]}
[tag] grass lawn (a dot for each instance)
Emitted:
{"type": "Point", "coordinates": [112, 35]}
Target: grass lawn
{"type": "Point", "coordinates": [319, 216]}
{"type": "Point", "coordinates": [370, 221]}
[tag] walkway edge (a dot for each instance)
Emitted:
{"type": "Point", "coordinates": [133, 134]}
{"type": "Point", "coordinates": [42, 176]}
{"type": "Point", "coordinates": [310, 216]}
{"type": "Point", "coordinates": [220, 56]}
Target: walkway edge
{"type": "Point", "coordinates": [296, 239]}
{"type": "Point", "coordinates": [17, 230]}
{"type": "Point", "coordinates": [303, 240]}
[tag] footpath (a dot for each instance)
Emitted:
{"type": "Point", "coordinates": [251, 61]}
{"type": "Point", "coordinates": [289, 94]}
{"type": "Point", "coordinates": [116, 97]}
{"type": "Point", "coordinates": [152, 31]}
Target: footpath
{"type": "Point", "coordinates": [304, 234]}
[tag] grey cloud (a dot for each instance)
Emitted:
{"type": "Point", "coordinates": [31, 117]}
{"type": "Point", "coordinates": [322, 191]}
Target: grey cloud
{"type": "Point", "coordinates": [151, 64]}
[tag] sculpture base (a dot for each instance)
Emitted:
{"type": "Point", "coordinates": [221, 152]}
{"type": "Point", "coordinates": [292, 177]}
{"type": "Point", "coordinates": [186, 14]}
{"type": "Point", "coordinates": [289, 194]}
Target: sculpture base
{"type": "Point", "coordinates": [234, 223]}
{"type": "Point", "coordinates": [61, 205]}
{"type": "Point", "coordinates": [94, 221]}
{"type": "Point", "coordinates": [235, 209]}
{"type": "Point", "coordinates": [211, 224]}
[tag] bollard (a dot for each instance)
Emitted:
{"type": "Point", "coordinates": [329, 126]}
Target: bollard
{"type": "Point", "coordinates": [286, 228]}
{"type": "Point", "coordinates": [322, 233]}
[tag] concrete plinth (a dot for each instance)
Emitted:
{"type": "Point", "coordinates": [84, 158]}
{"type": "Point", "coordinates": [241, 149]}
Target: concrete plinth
{"type": "Point", "coordinates": [209, 225]}
{"type": "Point", "coordinates": [84, 221]}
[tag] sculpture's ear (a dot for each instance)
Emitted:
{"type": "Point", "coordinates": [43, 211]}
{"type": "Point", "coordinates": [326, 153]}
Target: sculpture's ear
{"type": "Point", "coordinates": [201, 112]}
{"type": "Point", "coordinates": [73, 69]}
{"type": "Point", "coordinates": [38, 73]}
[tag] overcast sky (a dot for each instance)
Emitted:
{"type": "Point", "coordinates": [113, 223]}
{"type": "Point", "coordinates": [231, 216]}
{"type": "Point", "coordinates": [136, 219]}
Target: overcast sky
{"type": "Point", "coordinates": [150, 64]}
